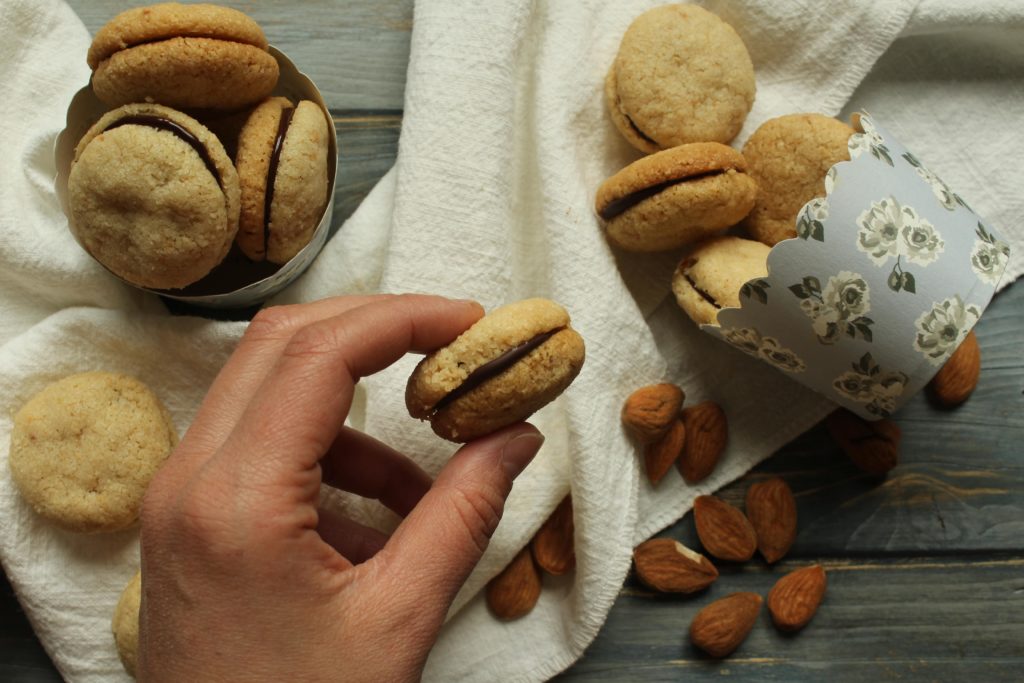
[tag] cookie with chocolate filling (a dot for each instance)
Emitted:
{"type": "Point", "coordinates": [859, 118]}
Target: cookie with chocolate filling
{"type": "Point", "coordinates": [681, 75]}
{"type": "Point", "coordinates": [676, 197]}
{"type": "Point", "coordinates": [789, 156]}
{"type": "Point", "coordinates": [282, 169]}
{"type": "Point", "coordinates": [153, 196]}
{"type": "Point", "coordinates": [501, 370]}
{"type": "Point", "coordinates": [187, 56]}
{"type": "Point", "coordinates": [711, 274]}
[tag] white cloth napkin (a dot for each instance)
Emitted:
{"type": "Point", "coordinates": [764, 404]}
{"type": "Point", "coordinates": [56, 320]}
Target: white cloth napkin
{"type": "Point", "coordinates": [504, 141]}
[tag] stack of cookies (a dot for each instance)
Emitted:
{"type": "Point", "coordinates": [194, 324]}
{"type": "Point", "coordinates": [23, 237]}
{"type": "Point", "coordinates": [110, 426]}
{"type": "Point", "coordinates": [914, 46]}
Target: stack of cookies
{"type": "Point", "coordinates": [680, 89]}
{"type": "Point", "coordinates": [159, 198]}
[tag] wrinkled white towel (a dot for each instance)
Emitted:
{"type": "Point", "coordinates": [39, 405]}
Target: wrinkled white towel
{"type": "Point", "coordinates": [504, 141]}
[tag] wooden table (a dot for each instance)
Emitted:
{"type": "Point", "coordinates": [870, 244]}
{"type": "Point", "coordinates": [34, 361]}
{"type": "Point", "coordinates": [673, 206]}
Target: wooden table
{"type": "Point", "coordinates": [926, 569]}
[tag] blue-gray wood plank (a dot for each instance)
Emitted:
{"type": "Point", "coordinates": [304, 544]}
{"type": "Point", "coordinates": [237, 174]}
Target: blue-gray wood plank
{"type": "Point", "coordinates": [926, 569]}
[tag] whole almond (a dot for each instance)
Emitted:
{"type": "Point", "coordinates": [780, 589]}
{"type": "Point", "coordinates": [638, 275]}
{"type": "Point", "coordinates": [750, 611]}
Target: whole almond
{"type": "Point", "coordinates": [660, 455]}
{"type": "Point", "coordinates": [706, 435]}
{"type": "Point", "coordinates": [553, 545]}
{"type": "Point", "coordinates": [719, 628]}
{"type": "Point", "coordinates": [669, 566]}
{"type": "Point", "coordinates": [795, 597]}
{"type": "Point", "coordinates": [513, 593]}
{"type": "Point", "coordinates": [873, 446]}
{"type": "Point", "coordinates": [650, 411]}
{"type": "Point", "coordinates": [956, 380]}
{"type": "Point", "coordinates": [723, 529]}
{"type": "Point", "coordinates": [771, 509]}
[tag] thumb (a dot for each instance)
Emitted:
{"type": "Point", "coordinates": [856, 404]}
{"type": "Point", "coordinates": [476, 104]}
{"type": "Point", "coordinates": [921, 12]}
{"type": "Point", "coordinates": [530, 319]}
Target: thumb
{"type": "Point", "coordinates": [434, 550]}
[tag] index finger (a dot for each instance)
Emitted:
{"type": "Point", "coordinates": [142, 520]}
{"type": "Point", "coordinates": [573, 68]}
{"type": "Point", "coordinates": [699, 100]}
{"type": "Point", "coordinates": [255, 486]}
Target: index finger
{"type": "Point", "coordinates": [301, 405]}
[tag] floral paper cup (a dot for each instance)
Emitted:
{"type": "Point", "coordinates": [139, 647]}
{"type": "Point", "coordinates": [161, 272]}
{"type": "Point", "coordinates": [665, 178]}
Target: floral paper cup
{"type": "Point", "coordinates": [887, 275]}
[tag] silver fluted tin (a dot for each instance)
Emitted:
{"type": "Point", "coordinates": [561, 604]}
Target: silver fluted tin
{"type": "Point", "coordinates": [231, 285]}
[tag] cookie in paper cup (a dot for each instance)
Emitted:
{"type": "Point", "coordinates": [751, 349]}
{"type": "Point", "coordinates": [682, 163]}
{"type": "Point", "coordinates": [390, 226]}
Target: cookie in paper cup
{"type": "Point", "coordinates": [237, 281]}
{"type": "Point", "coordinates": [888, 273]}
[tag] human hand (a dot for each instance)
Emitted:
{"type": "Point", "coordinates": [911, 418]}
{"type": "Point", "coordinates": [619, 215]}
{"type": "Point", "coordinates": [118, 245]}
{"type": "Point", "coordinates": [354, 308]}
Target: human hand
{"type": "Point", "coordinates": [244, 577]}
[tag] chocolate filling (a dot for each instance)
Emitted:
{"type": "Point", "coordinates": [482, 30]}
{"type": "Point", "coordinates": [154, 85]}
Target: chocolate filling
{"type": "Point", "coordinates": [707, 297]}
{"type": "Point", "coordinates": [160, 123]}
{"type": "Point", "coordinates": [636, 129]}
{"type": "Point", "coordinates": [623, 204]}
{"type": "Point", "coordinates": [275, 159]}
{"type": "Point", "coordinates": [495, 367]}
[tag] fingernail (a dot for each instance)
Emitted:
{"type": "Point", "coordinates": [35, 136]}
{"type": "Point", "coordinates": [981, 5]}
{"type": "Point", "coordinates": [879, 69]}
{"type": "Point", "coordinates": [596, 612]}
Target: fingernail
{"type": "Point", "coordinates": [518, 451]}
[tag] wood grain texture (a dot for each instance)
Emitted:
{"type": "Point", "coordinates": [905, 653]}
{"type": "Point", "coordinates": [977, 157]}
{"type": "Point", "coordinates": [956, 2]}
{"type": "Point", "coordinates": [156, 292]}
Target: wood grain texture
{"type": "Point", "coordinates": [926, 570]}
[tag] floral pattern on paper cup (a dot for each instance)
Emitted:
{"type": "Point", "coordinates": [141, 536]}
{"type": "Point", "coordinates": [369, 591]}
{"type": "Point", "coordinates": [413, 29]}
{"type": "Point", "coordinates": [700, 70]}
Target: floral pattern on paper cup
{"type": "Point", "coordinates": [867, 383]}
{"type": "Point", "coordinates": [989, 256]}
{"type": "Point", "coordinates": [768, 349]}
{"type": "Point", "coordinates": [889, 271]}
{"type": "Point", "coordinates": [941, 329]}
{"type": "Point", "coordinates": [838, 309]}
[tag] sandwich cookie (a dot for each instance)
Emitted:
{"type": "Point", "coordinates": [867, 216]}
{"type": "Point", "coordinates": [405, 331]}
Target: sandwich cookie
{"type": "Point", "coordinates": [710, 276]}
{"type": "Point", "coordinates": [501, 370]}
{"type": "Point", "coordinates": [282, 170]}
{"type": "Point", "coordinates": [681, 75]}
{"type": "Point", "coordinates": [84, 449]}
{"type": "Point", "coordinates": [676, 197]}
{"type": "Point", "coordinates": [153, 196]}
{"type": "Point", "coordinates": [789, 156]}
{"type": "Point", "coordinates": [188, 56]}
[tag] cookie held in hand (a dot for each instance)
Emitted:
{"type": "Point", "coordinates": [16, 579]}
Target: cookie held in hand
{"type": "Point", "coordinates": [676, 197]}
{"type": "Point", "coordinates": [501, 370]}
{"type": "Point", "coordinates": [681, 75]}
{"type": "Point", "coordinates": [711, 274]}
{"type": "Point", "coordinates": [153, 196]}
{"type": "Point", "coordinates": [187, 56]}
{"type": "Point", "coordinates": [282, 171]}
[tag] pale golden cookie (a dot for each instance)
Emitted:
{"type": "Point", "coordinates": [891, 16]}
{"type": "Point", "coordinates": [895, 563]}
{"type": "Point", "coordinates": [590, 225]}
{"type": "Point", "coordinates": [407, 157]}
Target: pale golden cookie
{"type": "Point", "coordinates": [187, 56]}
{"type": "Point", "coordinates": [681, 75]}
{"type": "Point", "coordinates": [125, 624]}
{"type": "Point", "coordinates": [788, 157]}
{"type": "Point", "coordinates": [282, 166]}
{"type": "Point", "coordinates": [84, 449]}
{"type": "Point", "coordinates": [711, 274]}
{"type": "Point", "coordinates": [153, 196]}
{"type": "Point", "coordinates": [675, 197]}
{"type": "Point", "coordinates": [501, 370]}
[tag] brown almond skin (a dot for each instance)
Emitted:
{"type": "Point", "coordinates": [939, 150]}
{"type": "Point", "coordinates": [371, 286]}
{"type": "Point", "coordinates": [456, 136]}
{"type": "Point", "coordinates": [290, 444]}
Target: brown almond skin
{"type": "Point", "coordinates": [668, 566]}
{"type": "Point", "coordinates": [649, 411]}
{"type": "Point", "coordinates": [707, 434]}
{"type": "Point", "coordinates": [873, 446]}
{"type": "Point", "coordinates": [794, 598]}
{"type": "Point", "coordinates": [513, 593]}
{"type": "Point", "coordinates": [722, 626]}
{"type": "Point", "coordinates": [955, 382]}
{"type": "Point", "coordinates": [771, 509]}
{"type": "Point", "coordinates": [553, 545]}
{"type": "Point", "coordinates": [723, 529]}
{"type": "Point", "coordinates": [663, 453]}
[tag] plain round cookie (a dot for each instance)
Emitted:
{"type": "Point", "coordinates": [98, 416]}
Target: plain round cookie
{"type": "Point", "coordinates": [297, 184]}
{"type": "Point", "coordinates": [789, 156]}
{"type": "Point", "coordinates": [681, 75]}
{"type": "Point", "coordinates": [125, 623]}
{"type": "Point", "coordinates": [675, 197]}
{"type": "Point", "coordinates": [84, 449]}
{"type": "Point", "coordinates": [188, 56]}
{"type": "Point", "coordinates": [710, 275]}
{"type": "Point", "coordinates": [465, 398]}
{"type": "Point", "coordinates": [146, 203]}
